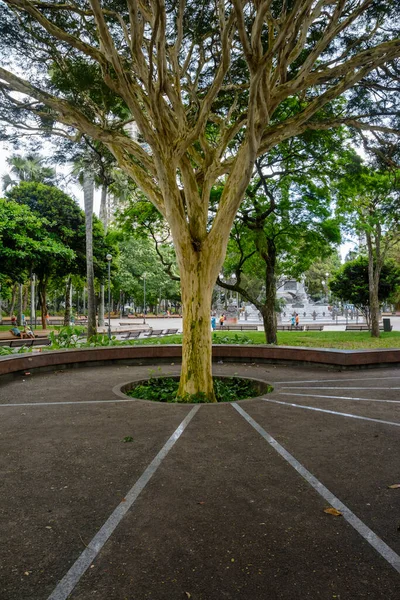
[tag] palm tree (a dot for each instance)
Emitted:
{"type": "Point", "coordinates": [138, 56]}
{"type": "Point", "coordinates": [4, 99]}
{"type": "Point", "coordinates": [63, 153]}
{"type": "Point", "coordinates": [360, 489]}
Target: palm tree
{"type": "Point", "coordinates": [28, 168]}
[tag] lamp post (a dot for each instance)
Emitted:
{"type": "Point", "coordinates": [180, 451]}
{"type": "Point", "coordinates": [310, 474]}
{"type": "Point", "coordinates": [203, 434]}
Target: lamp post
{"type": "Point", "coordinates": [109, 259]}
{"type": "Point", "coordinates": [144, 297]}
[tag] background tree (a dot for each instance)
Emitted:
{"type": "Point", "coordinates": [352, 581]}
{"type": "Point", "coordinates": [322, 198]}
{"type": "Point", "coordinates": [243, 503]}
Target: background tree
{"type": "Point", "coordinates": [28, 168]}
{"type": "Point", "coordinates": [26, 246]}
{"type": "Point", "coordinates": [371, 200]}
{"type": "Point", "coordinates": [351, 284]}
{"type": "Point", "coordinates": [285, 219]}
{"type": "Point", "coordinates": [204, 85]}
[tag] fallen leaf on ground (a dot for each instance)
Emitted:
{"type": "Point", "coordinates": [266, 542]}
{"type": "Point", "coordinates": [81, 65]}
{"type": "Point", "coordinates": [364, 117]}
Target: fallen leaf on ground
{"type": "Point", "coordinates": [202, 502]}
{"type": "Point", "coordinates": [128, 438]}
{"type": "Point", "coordinates": [394, 486]}
{"type": "Point", "coordinates": [332, 511]}
{"type": "Point", "coordinates": [188, 595]}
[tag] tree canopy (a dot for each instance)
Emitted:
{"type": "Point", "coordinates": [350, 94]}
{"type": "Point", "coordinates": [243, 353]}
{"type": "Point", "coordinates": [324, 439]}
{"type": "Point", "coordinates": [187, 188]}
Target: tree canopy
{"type": "Point", "coordinates": [351, 284]}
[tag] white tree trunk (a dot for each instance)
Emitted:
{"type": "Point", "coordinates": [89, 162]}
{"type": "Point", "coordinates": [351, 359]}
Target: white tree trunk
{"type": "Point", "coordinates": [88, 193]}
{"type": "Point", "coordinates": [101, 306]}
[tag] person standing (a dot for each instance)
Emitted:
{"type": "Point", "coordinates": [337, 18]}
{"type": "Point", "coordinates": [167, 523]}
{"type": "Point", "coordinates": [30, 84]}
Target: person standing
{"type": "Point", "coordinates": [221, 320]}
{"type": "Point", "coordinates": [297, 320]}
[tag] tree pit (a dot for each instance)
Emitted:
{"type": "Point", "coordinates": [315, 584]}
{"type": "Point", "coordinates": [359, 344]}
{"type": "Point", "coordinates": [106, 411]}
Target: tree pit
{"type": "Point", "coordinates": [227, 389]}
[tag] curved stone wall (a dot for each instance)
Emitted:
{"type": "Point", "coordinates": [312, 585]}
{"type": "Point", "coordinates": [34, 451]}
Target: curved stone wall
{"type": "Point", "coordinates": [340, 359]}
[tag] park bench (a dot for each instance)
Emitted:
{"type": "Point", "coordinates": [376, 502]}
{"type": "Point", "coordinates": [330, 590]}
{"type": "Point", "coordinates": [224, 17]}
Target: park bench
{"type": "Point", "coordinates": [132, 335]}
{"type": "Point", "coordinates": [289, 328]}
{"type": "Point", "coordinates": [171, 331]}
{"type": "Point", "coordinates": [28, 343]}
{"type": "Point", "coordinates": [363, 328]}
{"type": "Point", "coordinates": [236, 327]}
{"type": "Point", "coordinates": [314, 327]}
{"type": "Point", "coordinates": [154, 333]}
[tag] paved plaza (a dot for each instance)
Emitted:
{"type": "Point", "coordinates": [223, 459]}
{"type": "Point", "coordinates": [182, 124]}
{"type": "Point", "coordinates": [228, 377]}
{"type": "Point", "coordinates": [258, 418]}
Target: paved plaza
{"type": "Point", "coordinates": [205, 502]}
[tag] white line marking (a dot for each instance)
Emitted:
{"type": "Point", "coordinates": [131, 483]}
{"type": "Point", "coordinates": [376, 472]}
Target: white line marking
{"type": "Point", "coordinates": [333, 412]}
{"type": "Point", "coordinates": [317, 387]}
{"type": "Point", "coordinates": [70, 580]}
{"type": "Point", "coordinates": [335, 380]}
{"type": "Point", "coordinates": [339, 397]}
{"type": "Point", "coordinates": [76, 402]}
{"type": "Point", "coordinates": [374, 540]}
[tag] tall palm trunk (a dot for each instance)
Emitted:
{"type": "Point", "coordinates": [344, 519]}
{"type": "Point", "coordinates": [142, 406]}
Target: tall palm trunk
{"type": "Point", "coordinates": [88, 193]}
{"type": "Point", "coordinates": [42, 292]}
{"type": "Point", "coordinates": [13, 298]}
{"type": "Point", "coordinates": [67, 311]}
{"type": "Point", "coordinates": [19, 305]}
{"type": "Point", "coordinates": [104, 219]}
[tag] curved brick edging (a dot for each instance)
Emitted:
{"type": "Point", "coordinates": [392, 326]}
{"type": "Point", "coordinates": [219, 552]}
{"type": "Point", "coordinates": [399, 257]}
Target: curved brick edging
{"type": "Point", "coordinates": [167, 353]}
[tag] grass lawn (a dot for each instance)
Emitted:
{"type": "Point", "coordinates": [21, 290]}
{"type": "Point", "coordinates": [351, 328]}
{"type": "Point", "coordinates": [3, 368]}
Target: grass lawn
{"type": "Point", "coordinates": [345, 340]}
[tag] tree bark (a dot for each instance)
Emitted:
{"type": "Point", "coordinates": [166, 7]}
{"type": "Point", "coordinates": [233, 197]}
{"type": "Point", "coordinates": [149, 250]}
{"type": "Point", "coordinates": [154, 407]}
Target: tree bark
{"type": "Point", "coordinates": [88, 192]}
{"type": "Point", "coordinates": [42, 290]}
{"type": "Point", "coordinates": [13, 297]}
{"type": "Point", "coordinates": [101, 306]}
{"type": "Point", "coordinates": [374, 271]}
{"type": "Point", "coordinates": [19, 305]}
{"type": "Point", "coordinates": [67, 312]}
{"type": "Point", "coordinates": [196, 374]}
{"type": "Point", "coordinates": [103, 207]}
{"type": "Point", "coordinates": [268, 310]}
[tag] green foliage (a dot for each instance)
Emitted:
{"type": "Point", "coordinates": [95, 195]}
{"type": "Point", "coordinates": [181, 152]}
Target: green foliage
{"type": "Point", "coordinates": [164, 389]}
{"type": "Point", "coordinates": [25, 241]}
{"type": "Point", "coordinates": [231, 339]}
{"type": "Point", "coordinates": [66, 337]}
{"type": "Point", "coordinates": [351, 284]}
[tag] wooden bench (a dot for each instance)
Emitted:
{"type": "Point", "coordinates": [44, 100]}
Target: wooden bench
{"type": "Point", "coordinates": [236, 328]}
{"type": "Point", "coordinates": [132, 335]}
{"type": "Point", "coordinates": [28, 343]}
{"type": "Point", "coordinates": [289, 328]}
{"type": "Point", "coordinates": [314, 327]}
{"type": "Point", "coordinates": [154, 333]}
{"type": "Point", "coordinates": [363, 328]}
{"type": "Point", "coordinates": [171, 331]}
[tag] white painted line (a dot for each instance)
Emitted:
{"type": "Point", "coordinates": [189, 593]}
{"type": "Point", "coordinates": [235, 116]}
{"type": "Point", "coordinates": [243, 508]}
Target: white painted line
{"type": "Point", "coordinates": [339, 387]}
{"type": "Point", "coordinates": [333, 412]}
{"type": "Point", "coordinates": [339, 397]}
{"type": "Point", "coordinates": [335, 380]}
{"type": "Point", "coordinates": [70, 580]}
{"type": "Point", "coordinates": [63, 403]}
{"type": "Point", "coordinates": [374, 540]}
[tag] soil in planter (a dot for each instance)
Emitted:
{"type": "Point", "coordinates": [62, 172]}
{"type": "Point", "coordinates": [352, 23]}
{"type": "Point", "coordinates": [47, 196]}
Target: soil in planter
{"type": "Point", "coordinates": [227, 389]}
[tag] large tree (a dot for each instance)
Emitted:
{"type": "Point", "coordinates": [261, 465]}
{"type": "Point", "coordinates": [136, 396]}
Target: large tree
{"type": "Point", "coordinates": [203, 84]}
{"type": "Point", "coordinates": [351, 284]}
{"type": "Point", "coordinates": [371, 198]}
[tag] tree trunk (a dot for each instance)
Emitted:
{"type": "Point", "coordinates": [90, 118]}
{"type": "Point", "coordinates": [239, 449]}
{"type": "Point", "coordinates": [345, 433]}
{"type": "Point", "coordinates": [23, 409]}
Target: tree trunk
{"type": "Point", "coordinates": [268, 315]}
{"type": "Point", "coordinates": [103, 207]}
{"type": "Point", "coordinates": [374, 269]}
{"type": "Point", "coordinates": [268, 310]}
{"type": "Point", "coordinates": [13, 297]}
{"type": "Point", "coordinates": [196, 374]}
{"type": "Point", "coordinates": [101, 306]}
{"type": "Point", "coordinates": [88, 192]}
{"type": "Point", "coordinates": [25, 299]}
{"type": "Point", "coordinates": [42, 287]}
{"type": "Point", "coordinates": [67, 312]}
{"type": "Point", "coordinates": [19, 306]}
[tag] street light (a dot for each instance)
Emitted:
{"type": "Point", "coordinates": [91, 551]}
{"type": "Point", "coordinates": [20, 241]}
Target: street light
{"type": "Point", "coordinates": [109, 259]}
{"type": "Point", "coordinates": [144, 297]}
